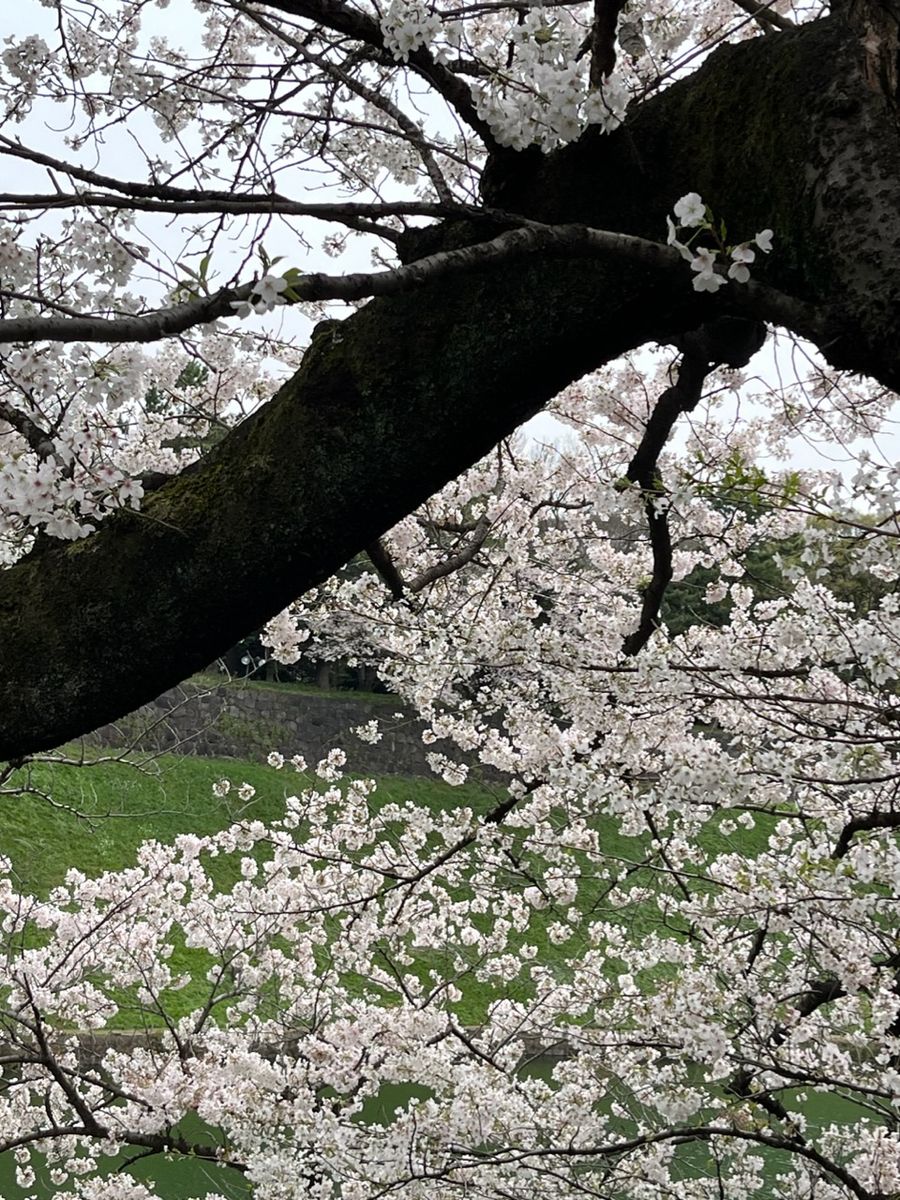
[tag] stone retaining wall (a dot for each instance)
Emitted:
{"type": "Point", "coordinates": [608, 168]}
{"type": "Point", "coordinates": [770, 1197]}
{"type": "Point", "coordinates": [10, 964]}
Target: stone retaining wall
{"type": "Point", "coordinates": [92, 1045]}
{"type": "Point", "coordinates": [234, 721]}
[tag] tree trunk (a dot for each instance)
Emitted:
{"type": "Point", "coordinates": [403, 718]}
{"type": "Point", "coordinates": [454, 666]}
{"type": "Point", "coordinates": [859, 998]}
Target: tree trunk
{"type": "Point", "coordinates": [797, 132]}
{"type": "Point", "coordinates": [323, 675]}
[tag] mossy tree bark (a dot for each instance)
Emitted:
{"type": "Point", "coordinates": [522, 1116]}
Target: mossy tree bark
{"type": "Point", "coordinates": [797, 132]}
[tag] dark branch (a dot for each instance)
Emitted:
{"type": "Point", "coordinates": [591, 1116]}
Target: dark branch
{"type": "Point", "coordinates": [874, 820]}
{"type": "Point", "coordinates": [765, 15]}
{"type": "Point", "coordinates": [603, 39]}
{"type": "Point", "coordinates": [727, 341]}
{"type": "Point", "coordinates": [386, 568]}
{"type": "Point", "coordinates": [455, 561]}
{"type": "Point", "coordinates": [38, 439]}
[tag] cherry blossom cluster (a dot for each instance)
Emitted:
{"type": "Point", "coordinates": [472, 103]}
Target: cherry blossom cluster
{"type": "Point", "coordinates": [545, 99]}
{"type": "Point", "coordinates": [59, 497]}
{"type": "Point", "coordinates": [284, 638]}
{"type": "Point", "coordinates": [692, 213]}
{"type": "Point", "coordinates": [267, 294]}
{"type": "Point", "coordinates": [407, 25]}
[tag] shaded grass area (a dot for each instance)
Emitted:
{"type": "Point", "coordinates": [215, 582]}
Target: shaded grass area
{"type": "Point", "coordinates": [211, 679]}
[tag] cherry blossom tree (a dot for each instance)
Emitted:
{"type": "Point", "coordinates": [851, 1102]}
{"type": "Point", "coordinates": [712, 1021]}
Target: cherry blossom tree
{"type": "Point", "coordinates": [689, 881]}
{"type": "Point", "coordinates": [687, 877]}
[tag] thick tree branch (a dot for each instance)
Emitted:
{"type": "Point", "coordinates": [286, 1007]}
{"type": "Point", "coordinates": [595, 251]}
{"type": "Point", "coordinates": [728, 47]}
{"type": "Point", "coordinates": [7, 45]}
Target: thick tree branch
{"type": "Point", "coordinates": [564, 241]}
{"type": "Point", "coordinates": [386, 408]}
{"type": "Point", "coordinates": [36, 437]}
{"type": "Point", "coordinates": [411, 390]}
{"type": "Point", "coordinates": [765, 15]}
{"type": "Point", "coordinates": [603, 39]}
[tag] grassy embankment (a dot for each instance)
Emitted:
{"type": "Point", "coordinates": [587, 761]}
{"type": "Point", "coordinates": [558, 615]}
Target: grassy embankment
{"type": "Point", "coordinates": [101, 814]}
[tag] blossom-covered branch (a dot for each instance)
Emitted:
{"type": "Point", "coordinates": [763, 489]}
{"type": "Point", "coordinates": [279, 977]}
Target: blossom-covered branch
{"type": "Point", "coordinates": [562, 241]}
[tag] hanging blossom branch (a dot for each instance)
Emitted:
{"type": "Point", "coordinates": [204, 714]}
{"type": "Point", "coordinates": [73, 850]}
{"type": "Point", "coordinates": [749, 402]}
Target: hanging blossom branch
{"type": "Point", "coordinates": [563, 241]}
{"type": "Point", "coordinates": [701, 1133]}
{"type": "Point", "coordinates": [732, 342]}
